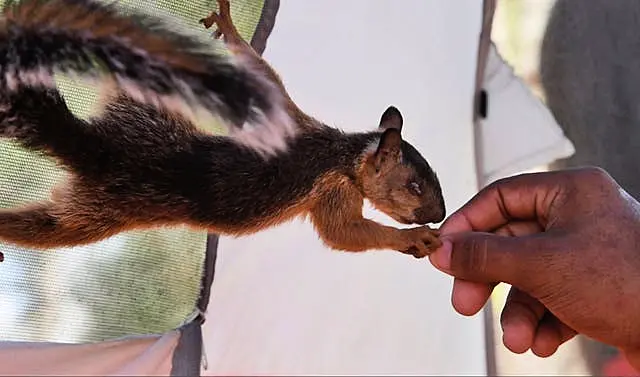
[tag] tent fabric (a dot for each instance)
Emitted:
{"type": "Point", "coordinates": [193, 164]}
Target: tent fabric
{"type": "Point", "coordinates": [265, 25]}
{"type": "Point", "coordinates": [505, 141]}
{"type": "Point", "coordinates": [142, 355]}
{"type": "Point", "coordinates": [502, 143]}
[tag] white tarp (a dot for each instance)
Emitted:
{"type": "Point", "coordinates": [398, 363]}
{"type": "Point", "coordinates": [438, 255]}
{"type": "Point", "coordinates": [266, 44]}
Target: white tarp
{"type": "Point", "coordinates": [520, 132]}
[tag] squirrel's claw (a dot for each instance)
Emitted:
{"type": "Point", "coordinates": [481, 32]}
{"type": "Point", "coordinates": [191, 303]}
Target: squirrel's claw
{"type": "Point", "coordinates": [222, 19]}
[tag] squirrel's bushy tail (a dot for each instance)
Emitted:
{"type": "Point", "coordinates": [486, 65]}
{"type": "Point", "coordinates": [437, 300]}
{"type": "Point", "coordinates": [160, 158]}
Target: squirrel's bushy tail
{"type": "Point", "coordinates": [149, 61]}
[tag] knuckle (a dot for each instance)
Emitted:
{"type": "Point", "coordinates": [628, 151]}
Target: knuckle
{"type": "Point", "coordinates": [499, 182]}
{"type": "Point", "coordinates": [471, 256]}
{"type": "Point", "coordinates": [593, 180]}
{"type": "Point", "coordinates": [495, 185]}
{"type": "Point", "coordinates": [596, 174]}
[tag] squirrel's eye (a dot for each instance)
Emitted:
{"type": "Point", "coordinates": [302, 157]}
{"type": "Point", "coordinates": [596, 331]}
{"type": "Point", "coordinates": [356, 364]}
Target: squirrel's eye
{"type": "Point", "coordinates": [414, 187]}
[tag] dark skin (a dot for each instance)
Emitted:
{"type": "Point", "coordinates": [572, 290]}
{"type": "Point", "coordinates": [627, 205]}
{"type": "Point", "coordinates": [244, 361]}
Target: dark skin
{"type": "Point", "coordinates": [568, 243]}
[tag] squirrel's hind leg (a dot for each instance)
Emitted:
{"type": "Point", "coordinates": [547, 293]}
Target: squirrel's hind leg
{"type": "Point", "coordinates": [54, 224]}
{"type": "Point", "coordinates": [247, 56]}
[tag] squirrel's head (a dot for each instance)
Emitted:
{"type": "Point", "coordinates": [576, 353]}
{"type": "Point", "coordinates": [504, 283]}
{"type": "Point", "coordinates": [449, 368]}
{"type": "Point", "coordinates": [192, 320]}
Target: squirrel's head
{"type": "Point", "coordinates": [397, 180]}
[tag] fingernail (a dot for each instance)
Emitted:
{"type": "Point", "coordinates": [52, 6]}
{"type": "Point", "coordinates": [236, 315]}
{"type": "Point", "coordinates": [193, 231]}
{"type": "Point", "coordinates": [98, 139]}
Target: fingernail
{"type": "Point", "coordinates": [441, 258]}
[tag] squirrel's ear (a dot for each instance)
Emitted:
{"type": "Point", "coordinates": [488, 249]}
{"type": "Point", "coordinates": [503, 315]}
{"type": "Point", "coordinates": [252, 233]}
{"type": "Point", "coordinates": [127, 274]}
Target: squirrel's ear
{"type": "Point", "coordinates": [389, 148]}
{"type": "Point", "coordinates": [391, 118]}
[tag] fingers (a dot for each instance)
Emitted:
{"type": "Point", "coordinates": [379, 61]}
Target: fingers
{"type": "Point", "coordinates": [489, 258]}
{"type": "Point", "coordinates": [469, 297]}
{"type": "Point", "coordinates": [527, 325]}
{"type": "Point", "coordinates": [525, 197]}
{"type": "Point", "coordinates": [519, 229]}
{"type": "Point", "coordinates": [550, 335]}
{"type": "Point", "coordinates": [519, 320]}
{"type": "Point", "coordinates": [525, 322]}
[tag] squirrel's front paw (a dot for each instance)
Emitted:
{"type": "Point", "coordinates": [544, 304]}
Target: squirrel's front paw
{"type": "Point", "coordinates": [420, 241]}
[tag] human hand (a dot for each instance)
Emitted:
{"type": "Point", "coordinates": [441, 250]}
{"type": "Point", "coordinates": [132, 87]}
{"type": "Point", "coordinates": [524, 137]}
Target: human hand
{"type": "Point", "coordinates": [569, 244]}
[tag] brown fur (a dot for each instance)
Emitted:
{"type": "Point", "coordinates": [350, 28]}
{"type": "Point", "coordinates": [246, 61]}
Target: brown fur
{"type": "Point", "coordinates": [337, 217]}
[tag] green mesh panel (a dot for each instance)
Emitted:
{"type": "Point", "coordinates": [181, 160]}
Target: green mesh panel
{"type": "Point", "coordinates": [133, 283]}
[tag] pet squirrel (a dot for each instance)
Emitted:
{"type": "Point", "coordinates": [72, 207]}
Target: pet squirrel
{"type": "Point", "coordinates": [137, 166]}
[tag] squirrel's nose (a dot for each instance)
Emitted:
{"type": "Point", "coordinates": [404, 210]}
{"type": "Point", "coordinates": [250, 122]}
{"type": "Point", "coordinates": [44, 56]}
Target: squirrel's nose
{"type": "Point", "coordinates": [430, 214]}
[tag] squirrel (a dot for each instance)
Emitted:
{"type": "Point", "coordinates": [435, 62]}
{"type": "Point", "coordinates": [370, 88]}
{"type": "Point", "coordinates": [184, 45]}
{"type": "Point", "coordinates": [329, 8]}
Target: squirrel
{"type": "Point", "coordinates": [137, 166]}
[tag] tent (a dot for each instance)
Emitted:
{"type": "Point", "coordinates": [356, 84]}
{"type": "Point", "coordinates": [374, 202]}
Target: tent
{"type": "Point", "coordinates": [179, 302]}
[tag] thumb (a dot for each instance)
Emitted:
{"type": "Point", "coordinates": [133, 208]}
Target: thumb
{"type": "Point", "coordinates": [491, 258]}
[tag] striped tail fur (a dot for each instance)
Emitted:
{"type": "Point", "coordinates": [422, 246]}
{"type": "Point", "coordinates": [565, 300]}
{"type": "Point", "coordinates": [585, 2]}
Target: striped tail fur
{"type": "Point", "coordinates": [147, 58]}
